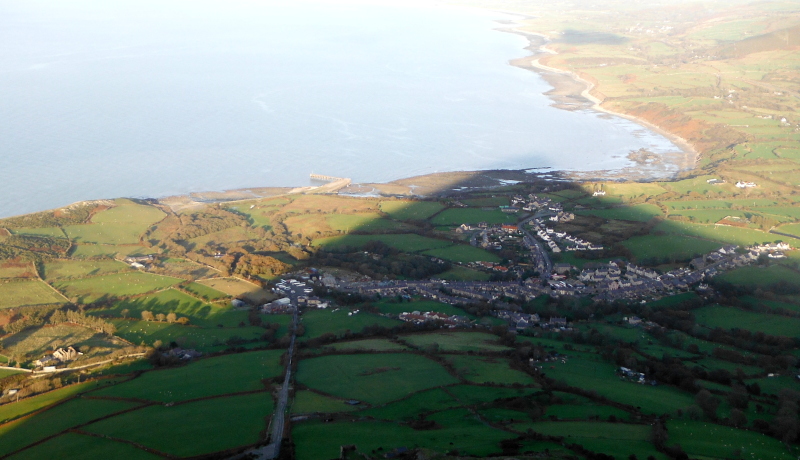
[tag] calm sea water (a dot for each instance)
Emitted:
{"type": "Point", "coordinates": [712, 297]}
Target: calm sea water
{"type": "Point", "coordinates": [152, 98]}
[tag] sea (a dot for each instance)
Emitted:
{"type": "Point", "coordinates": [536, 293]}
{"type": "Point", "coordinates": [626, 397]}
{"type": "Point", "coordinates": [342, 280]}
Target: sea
{"type": "Point", "coordinates": [143, 98]}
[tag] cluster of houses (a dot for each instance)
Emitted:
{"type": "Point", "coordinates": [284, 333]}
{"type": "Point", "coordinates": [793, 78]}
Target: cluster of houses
{"type": "Point", "coordinates": [59, 356]}
{"type": "Point", "coordinates": [550, 236]}
{"type": "Point", "coordinates": [293, 293]}
{"type": "Point", "coordinates": [520, 321]}
{"type": "Point", "coordinates": [633, 376]}
{"type": "Point", "coordinates": [140, 262]}
{"type": "Point", "coordinates": [544, 207]}
{"type": "Point", "coordinates": [450, 321]}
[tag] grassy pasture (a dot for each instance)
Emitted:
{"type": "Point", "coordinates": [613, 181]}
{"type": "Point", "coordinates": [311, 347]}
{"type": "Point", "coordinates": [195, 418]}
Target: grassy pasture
{"type": "Point", "coordinates": [74, 446]}
{"type": "Point", "coordinates": [26, 406]}
{"type": "Point", "coordinates": [306, 402]}
{"type": "Point", "coordinates": [256, 215]}
{"type": "Point", "coordinates": [87, 251]}
{"type": "Point", "coordinates": [459, 273]}
{"type": "Point", "coordinates": [788, 212]}
{"type": "Point", "coordinates": [458, 216]}
{"type": "Point", "coordinates": [632, 190]}
{"type": "Point", "coordinates": [329, 203]}
{"type": "Point", "coordinates": [584, 411]}
{"type": "Point", "coordinates": [714, 441]}
{"type": "Point", "coordinates": [308, 224]}
{"type": "Point", "coordinates": [27, 292]}
{"type": "Point", "coordinates": [21, 433]}
{"type": "Point", "coordinates": [730, 317]}
{"type": "Point", "coordinates": [206, 377]}
{"type": "Point", "coordinates": [186, 268]}
{"type": "Point", "coordinates": [385, 306]}
{"type": "Point", "coordinates": [637, 213]}
{"type": "Point", "coordinates": [406, 242]}
{"type": "Point", "coordinates": [54, 232]}
{"type": "Point", "coordinates": [599, 376]}
{"type": "Point", "coordinates": [673, 247]}
{"type": "Point", "coordinates": [471, 394]}
{"type": "Point", "coordinates": [33, 343]}
{"type": "Point", "coordinates": [212, 425]}
{"type": "Point", "coordinates": [369, 345]}
{"type": "Point", "coordinates": [791, 229]}
{"type": "Point", "coordinates": [367, 222]}
{"type": "Point", "coordinates": [410, 210]}
{"type": "Point", "coordinates": [205, 292]}
{"type": "Point", "coordinates": [457, 341]}
{"type": "Point", "coordinates": [64, 269]}
{"type": "Point", "coordinates": [238, 288]}
{"type": "Point", "coordinates": [9, 270]}
{"type": "Point", "coordinates": [761, 276]}
{"type": "Point", "coordinates": [488, 370]}
{"type": "Point", "coordinates": [697, 184]}
{"type": "Point", "coordinates": [319, 322]}
{"type": "Point", "coordinates": [173, 301]}
{"type": "Point", "coordinates": [106, 233]}
{"type": "Point", "coordinates": [616, 439]}
{"type": "Point", "coordinates": [203, 339]}
{"type": "Point", "coordinates": [376, 379]}
{"type": "Point", "coordinates": [463, 253]}
{"type": "Point", "coordinates": [673, 206]}
{"type": "Point", "coordinates": [129, 212]}
{"type": "Point", "coordinates": [723, 234]}
{"type": "Point", "coordinates": [87, 290]}
{"type": "Point", "coordinates": [460, 430]}
{"type": "Point", "coordinates": [230, 235]}
{"type": "Point", "coordinates": [435, 399]}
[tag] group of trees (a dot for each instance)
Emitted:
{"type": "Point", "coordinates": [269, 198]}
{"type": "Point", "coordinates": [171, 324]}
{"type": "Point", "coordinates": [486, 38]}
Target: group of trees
{"type": "Point", "coordinates": [33, 248]}
{"type": "Point", "coordinates": [170, 317]}
{"type": "Point", "coordinates": [80, 318]}
{"type": "Point", "coordinates": [76, 214]}
{"type": "Point", "coordinates": [377, 260]}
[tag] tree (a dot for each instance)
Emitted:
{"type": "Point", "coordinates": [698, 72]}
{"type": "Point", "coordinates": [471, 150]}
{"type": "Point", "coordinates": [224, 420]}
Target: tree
{"type": "Point", "coordinates": [708, 403]}
{"type": "Point", "coordinates": [125, 312]}
{"type": "Point", "coordinates": [161, 317]}
{"type": "Point", "coordinates": [147, 315]}
{"type": "Point", "coordinates": [172, 317]}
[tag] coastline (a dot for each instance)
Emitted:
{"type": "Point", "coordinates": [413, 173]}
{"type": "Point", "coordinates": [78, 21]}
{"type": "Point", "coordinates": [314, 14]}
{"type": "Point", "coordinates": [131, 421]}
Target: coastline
{"type": "Point", "coordinates": [573, 92]}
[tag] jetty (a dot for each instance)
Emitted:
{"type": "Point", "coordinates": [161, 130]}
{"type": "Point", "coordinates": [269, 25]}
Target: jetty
{"type": "Point", "coordinates": [334, 184]}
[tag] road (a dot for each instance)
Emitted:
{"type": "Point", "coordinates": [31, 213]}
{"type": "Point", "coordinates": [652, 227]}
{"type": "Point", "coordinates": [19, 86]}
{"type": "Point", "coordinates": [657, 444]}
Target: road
{"type": "Point", "coordinates": [272, 449]}
{"type": "Point", "coordinates": [543, 262]}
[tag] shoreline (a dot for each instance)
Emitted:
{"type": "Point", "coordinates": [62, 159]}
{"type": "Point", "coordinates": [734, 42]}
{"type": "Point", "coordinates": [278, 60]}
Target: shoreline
{"type": "Point", "coordinates": [564, 95]}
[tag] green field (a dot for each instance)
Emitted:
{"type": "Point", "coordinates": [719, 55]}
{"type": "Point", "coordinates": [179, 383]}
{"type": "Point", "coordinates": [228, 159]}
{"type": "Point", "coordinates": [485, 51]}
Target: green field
{"type": "Point", "coordinates": [205, 292]}
{"type": "Point", "coordinates": [638, 213]}
{"type": "Point", "coordinates": [376, 379]}
{"type": "Point", "coordinates": [212, 425]}
{"type": "Point", "coordinates": [73, 446]}
{"type": "Point", "coordinates": [24, 292]}
{"type": "Point", "coordinates": [714, 441]}
{"type": "Point", "coordinates": [457, 341]}
{"type": "Point", "coordinates": [256, 215]}
{"type": "Point", "coordinates": [60, 269]}
{"type": "Point", "coordinates": [86, 251]}
{"type": "Point", "coordinates": [319, 322]}
{"type": "Point", "coordinates": [410, 210]}
{"type": "Point", "coordinates": [12, 270]}
{"type": "Point", "coordinates": [761, 276]}
{"type": "Point", "coordinates": [368, 345]}
{"type": "Point", "coordinates": [202, 339]}
{"type": "Point", "coordinates": [54, 232]}
{"type": "Point", "coordinates": [206, 377]}
{"type": "Point", "coordinates": [459, 273]}
{"type": "Point", "coordinates": [459, 430]}
{"type": "Point", "coordinates": [88, 290]}
{"type": "Point", "coordinates": [723, 234]}
{"type": "Point", "coordinates": [480, 369]}
{"type": "Point", "coordinates": [600, 377]}
{"type": "Point", "coordinates": [409, 408]}
{"type": "Point", "coordinates": [393, 307]}
{"type": "Point", "coordinates": [19, 434]}
{"type": "Point", "coordinates": [464, 254]}
{"type": "Point", "coordinates": [367, 222]}
{"type": "Point", "coordinates": [584, 411]}
{"type": "Point", "coordinates": [616, 439]}
{"type": "Point", "coordinates": [407, 242]}
{"type": "Point", "coordinates": [670, 247]}
{"type": "Point", "coordinates": [306, 401]}
{"type": "Point", "coordinates": [730, 317]}
{"type": "Point", "coordinates": [174, 301]}
{"type": "Point", "coordinates": [458, 216]}
{"type": "Point", "coordinates": [26, 406]}
{"type": "Point", "coordinates": [237, 288]}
